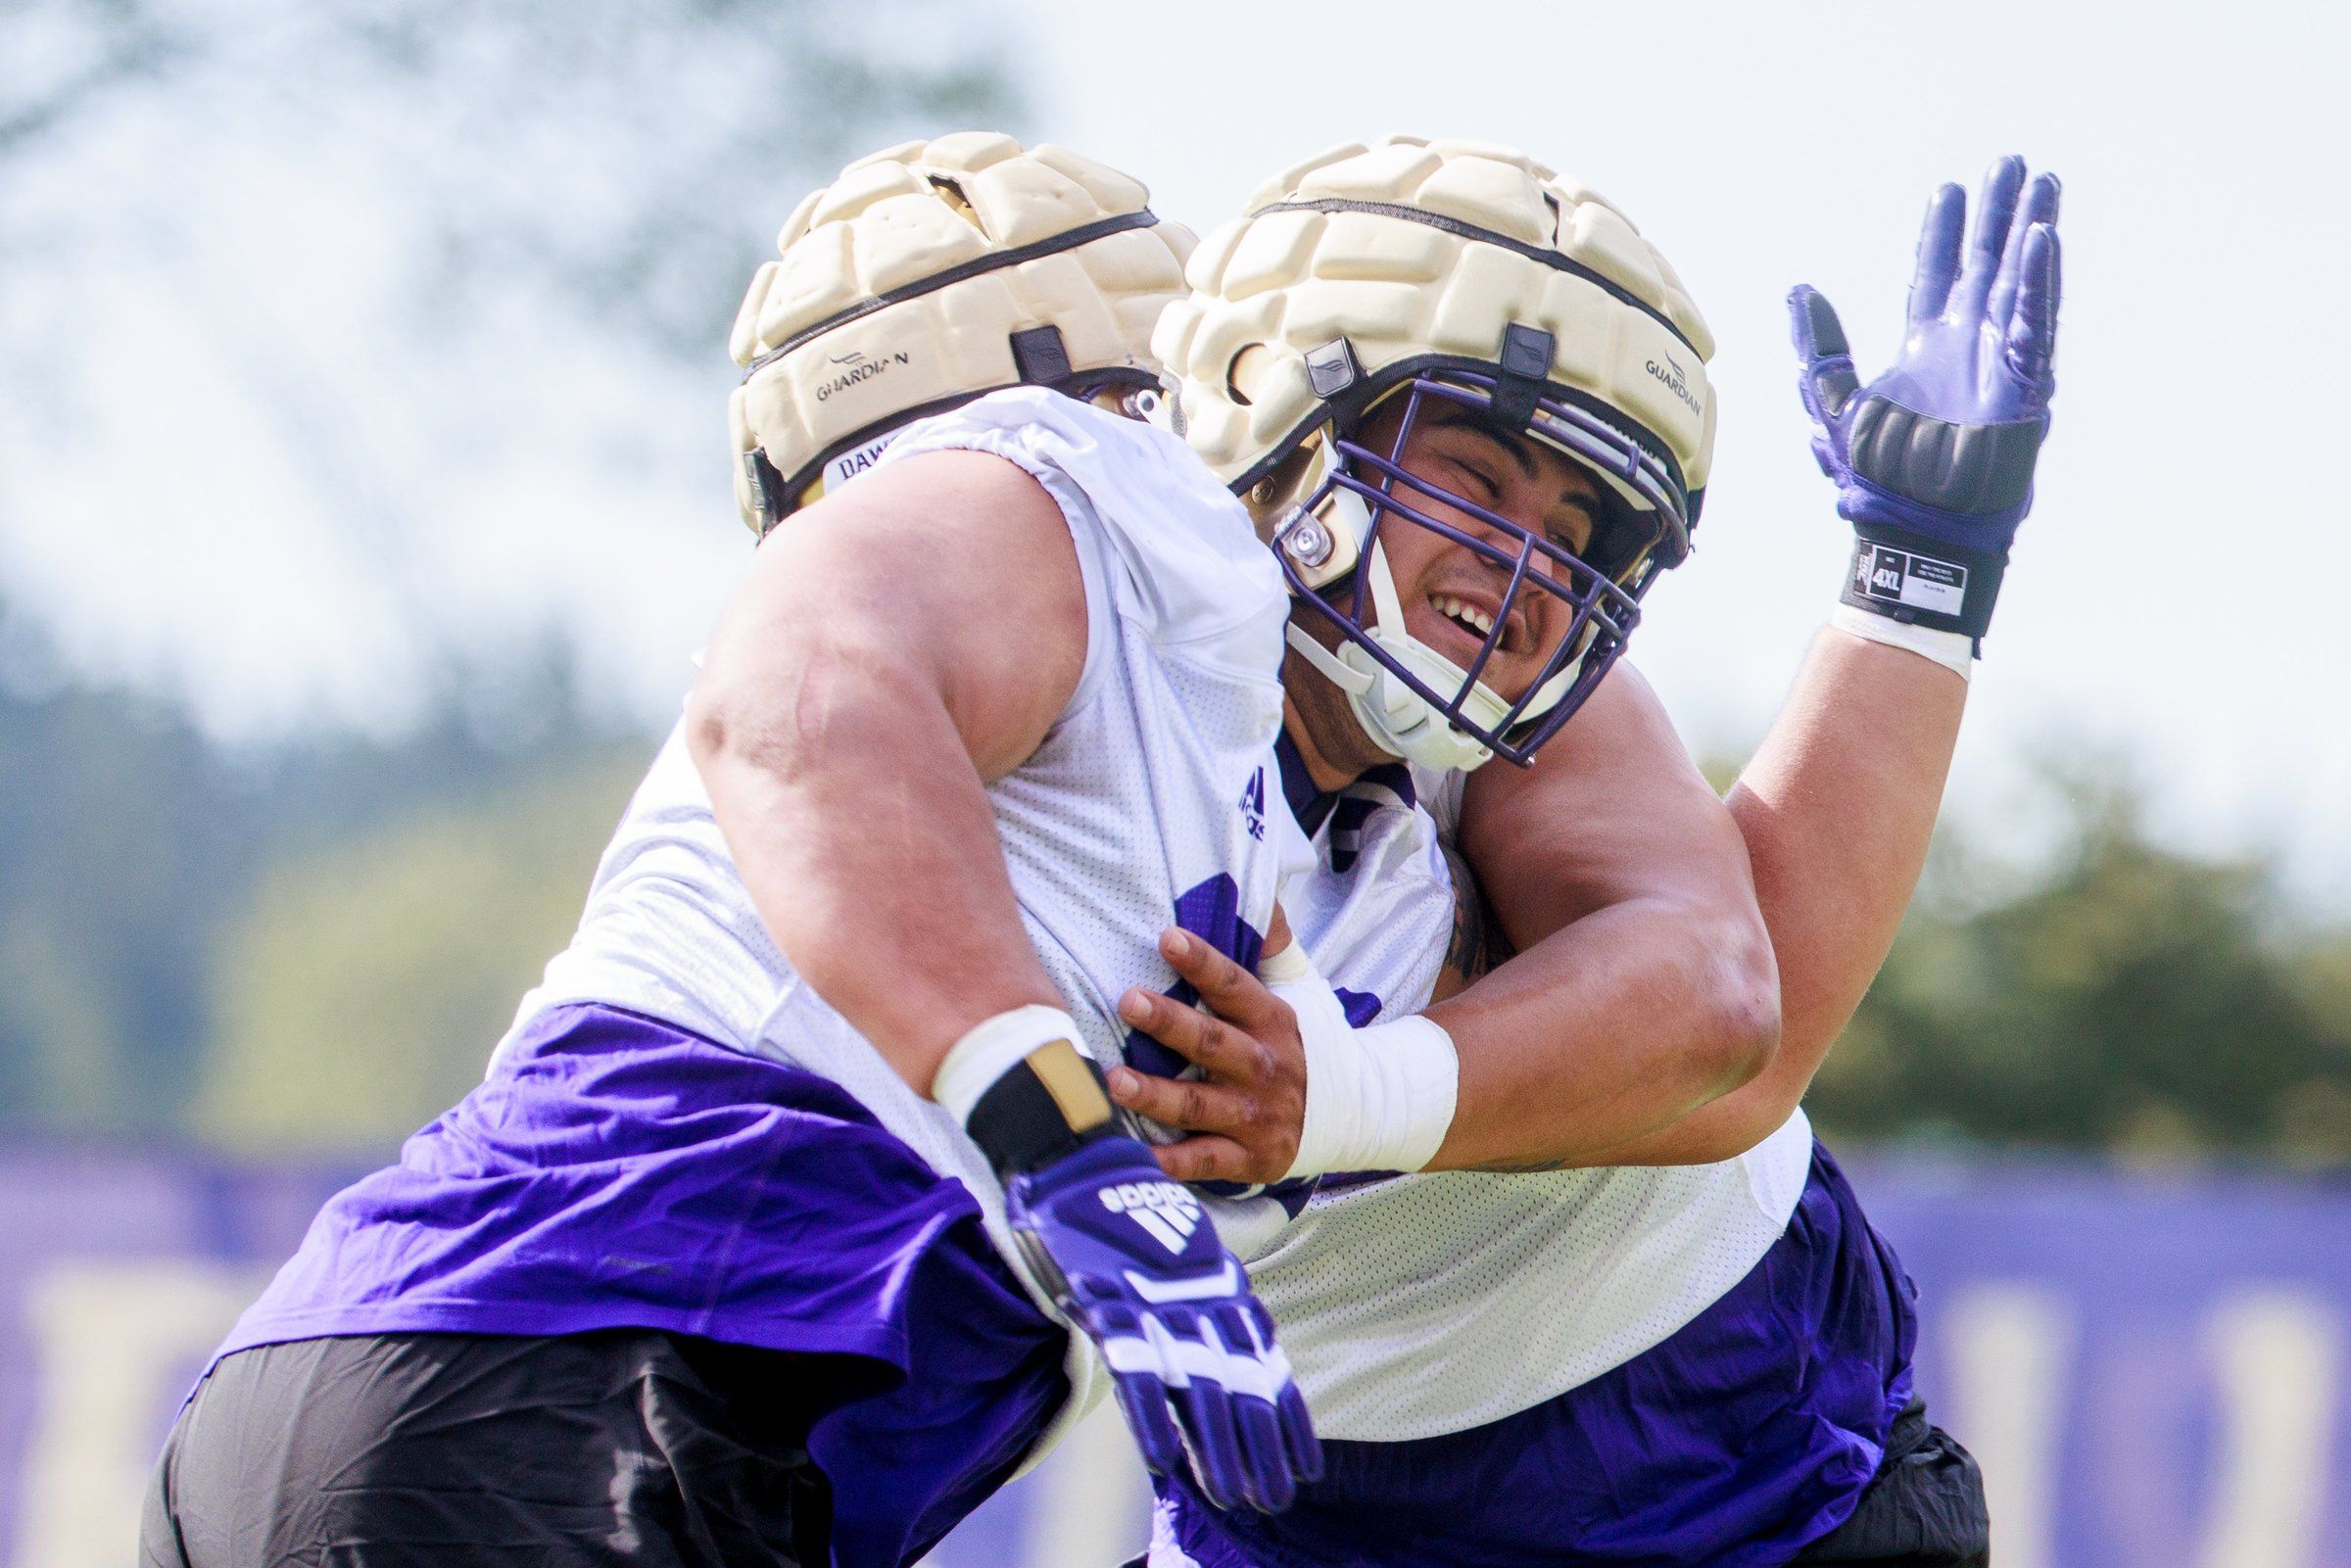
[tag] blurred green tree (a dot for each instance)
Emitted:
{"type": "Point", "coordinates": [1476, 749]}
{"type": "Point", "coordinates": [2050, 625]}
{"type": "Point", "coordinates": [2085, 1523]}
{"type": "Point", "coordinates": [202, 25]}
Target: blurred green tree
{"type": "Point", "coordinates": [130, 846]}
{"type": "Point", "coordinates": [117, 826]}
{"type": "Point", "coordinates": [2131, 998]}
{"type": "Point", "coordinates": [361, 987]}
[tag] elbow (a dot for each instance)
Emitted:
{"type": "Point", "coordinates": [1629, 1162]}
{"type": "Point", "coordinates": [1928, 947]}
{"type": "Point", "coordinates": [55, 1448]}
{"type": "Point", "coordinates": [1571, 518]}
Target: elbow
{"type": "Point", "coordinates": [706, 724]}
{"type": "Point", "coordinates": [1740, 1019]}
{"type": "Point", "coordinates": [779, 714]}
{"type": "Point", "coordinates": [1753, 1097]}
{"type": "Point", "coordinates": [1734, 1127]}
{"type": "Point", "coordinates": [719, 736]}
{"type": "Point", "coordinates": [717, 725]}
{"type": "Point", "coordinates": [1744, 1043]}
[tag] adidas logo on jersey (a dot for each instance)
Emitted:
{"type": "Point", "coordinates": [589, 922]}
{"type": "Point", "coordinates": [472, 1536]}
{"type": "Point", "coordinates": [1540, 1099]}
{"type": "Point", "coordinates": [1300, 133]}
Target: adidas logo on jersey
{"type": "Point", "coordinates": [1166, 1212]}
{"type": "Point", "coordinates": [1253, 804]}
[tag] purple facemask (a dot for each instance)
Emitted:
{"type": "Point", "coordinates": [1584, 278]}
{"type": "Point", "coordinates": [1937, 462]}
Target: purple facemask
{"type": "Point", "coordinates": [1643, 529]}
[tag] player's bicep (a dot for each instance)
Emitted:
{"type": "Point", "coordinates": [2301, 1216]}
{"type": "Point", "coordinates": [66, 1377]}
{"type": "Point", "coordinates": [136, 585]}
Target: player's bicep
{"type": "Point", "coordinates": [1614, 809]}
{"type": "Point", "coordinates": [950, 577]}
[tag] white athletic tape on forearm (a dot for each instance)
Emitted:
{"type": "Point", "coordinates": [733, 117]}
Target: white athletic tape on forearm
{"type": "Point", "coordinates": [1956, 651]}
{"type": "Point", "coordinates": [1377, 1099]}
{"type": "Point", "coordinates": [993, 1048]}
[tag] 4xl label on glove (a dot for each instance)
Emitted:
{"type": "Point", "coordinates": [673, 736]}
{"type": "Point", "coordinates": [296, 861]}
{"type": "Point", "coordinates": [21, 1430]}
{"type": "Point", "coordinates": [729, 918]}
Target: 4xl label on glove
{"type": "Point", "coordinates": [1900, 577]}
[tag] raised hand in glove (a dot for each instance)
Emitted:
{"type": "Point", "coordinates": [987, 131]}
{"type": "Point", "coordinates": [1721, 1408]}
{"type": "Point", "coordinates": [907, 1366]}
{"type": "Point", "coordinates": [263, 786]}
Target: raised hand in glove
{"type": "Point", "coordinates": [1934, 458]}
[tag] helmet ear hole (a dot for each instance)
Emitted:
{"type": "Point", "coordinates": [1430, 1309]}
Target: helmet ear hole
{"type": "Point", "coordinates": [1282, 486]}
{"type": "Point", "coordinates": [1248, 368]}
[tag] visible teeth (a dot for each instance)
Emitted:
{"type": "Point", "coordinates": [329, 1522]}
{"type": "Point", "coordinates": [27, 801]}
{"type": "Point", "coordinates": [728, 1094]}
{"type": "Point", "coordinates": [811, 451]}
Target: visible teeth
{"type": "Point", "coordinates": [1447, 604]}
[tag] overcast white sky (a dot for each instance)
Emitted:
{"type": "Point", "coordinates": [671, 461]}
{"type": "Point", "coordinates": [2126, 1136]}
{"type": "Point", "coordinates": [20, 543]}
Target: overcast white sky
{"type": "Point", "coordinates": [2179, 590]}
{"type": "Point", "coordinates": [2177, 594]}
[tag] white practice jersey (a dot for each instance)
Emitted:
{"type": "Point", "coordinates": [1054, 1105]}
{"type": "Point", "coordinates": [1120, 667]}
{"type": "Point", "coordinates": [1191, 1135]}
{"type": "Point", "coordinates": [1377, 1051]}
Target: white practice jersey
{"type": "Point", "coordinates": [1154, 800]}
{"type": "Point", "coordinates": [1417, 1305]}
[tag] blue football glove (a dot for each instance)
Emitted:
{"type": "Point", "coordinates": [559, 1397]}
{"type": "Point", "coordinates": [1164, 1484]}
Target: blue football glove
{"type": "Point", "coordinates": [1133, 1260]}
{"type": "Point", "coordinates": [1933, 460]}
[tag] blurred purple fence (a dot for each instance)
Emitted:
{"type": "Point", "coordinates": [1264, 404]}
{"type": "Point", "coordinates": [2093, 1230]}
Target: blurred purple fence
{"type": "Point", "coordinates": [2155, 1372]}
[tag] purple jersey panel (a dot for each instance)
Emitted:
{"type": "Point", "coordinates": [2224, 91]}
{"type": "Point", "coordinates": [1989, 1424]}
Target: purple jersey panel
{"type": "Point", "coordinates": [615, 1171]}
{"type": "Point", "coordinates": [1747, 1433]}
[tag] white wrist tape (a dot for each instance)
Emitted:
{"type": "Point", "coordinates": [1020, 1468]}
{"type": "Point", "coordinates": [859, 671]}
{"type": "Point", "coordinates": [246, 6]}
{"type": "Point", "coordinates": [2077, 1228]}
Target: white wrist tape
{"type": "Point", "coordinates": [1288, 967]}
{"type": "Point", "coordinates": [993, 1048]}
{"type": "Point", "coordinates": [1377, 1099]}
{"type": "Point", "coordinates": [1956, 651]}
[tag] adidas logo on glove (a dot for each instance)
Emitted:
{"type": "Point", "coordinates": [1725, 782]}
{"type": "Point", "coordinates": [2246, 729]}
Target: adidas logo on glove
{"type": "Point", "coordinates": [1166, 1212]}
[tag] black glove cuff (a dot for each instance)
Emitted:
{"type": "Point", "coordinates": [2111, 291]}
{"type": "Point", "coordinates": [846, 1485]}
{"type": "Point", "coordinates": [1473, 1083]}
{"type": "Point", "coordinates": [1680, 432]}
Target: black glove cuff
{"type": "Point", "coordinates": [1919, 581]}
{"type": "Point", "coordinates": [1051, 1104]}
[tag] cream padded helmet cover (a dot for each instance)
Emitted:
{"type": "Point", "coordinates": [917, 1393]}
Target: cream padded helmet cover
{"type": "Point", "coordinates": [906, 215]}
{"type": "Point", "coordinates": [1287, 282]}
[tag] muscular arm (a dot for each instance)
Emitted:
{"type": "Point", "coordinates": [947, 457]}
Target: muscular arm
{"type": "Point", "coordinates": [1645, 996]}
{"type": "Point", "coordinates": [1643, 987]}
{"type": "Point", "coordinates": [1837, 806]}
{"type": "Point", "coordinates": [1836, 809]}
{"type": "Point", "coordinates": [891, 649]}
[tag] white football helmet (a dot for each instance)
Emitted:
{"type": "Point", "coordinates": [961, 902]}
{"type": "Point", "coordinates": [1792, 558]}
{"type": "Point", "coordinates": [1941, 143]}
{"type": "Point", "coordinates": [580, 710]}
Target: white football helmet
{"type": "Point", "coordinates": [930, 274]}
{"type": "Point", "coordinates": [1466, 274]}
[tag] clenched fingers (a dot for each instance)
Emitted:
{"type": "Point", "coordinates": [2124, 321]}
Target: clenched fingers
{"type": "Point", "coordinates": [1232, 991]}
{"type": "Point", "coordinates": [1200, 1038]}
{"type": "Point", "coordinates": [1214, 1158]}
{"type": "Point", "coordinates": [1184, 1103]}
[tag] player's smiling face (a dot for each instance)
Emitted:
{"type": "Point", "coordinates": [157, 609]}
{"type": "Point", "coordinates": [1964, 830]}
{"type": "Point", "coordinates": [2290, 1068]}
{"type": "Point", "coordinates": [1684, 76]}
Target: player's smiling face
{"type": "Point", "coordinates": [1451, 593]}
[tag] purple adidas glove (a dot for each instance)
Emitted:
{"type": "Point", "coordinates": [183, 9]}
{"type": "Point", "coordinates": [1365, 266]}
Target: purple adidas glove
{"type": "Point", "coordinates": [1933, 460]}
{"type": "Point", "coordinates": [1133, 1260]}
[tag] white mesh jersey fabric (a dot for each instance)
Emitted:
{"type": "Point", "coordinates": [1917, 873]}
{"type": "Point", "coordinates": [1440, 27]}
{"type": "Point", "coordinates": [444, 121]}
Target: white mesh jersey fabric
{"type": "Point", "coordinates": [1381, 926]}
{"type": "Point", "coordinates": [1441, 796]}
{"type": "Point", "coordinates": [1426, 1304]}
{"type": "Point", "coordinates": [1433, 1304]}
{"type": "Point", "coordinates": [1139, 795]}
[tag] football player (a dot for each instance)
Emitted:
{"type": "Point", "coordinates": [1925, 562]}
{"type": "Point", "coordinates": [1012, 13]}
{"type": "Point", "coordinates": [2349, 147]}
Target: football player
{"type": "Point", "coordinates": [1700, 1364]}
{"type": "Point", "coordinates": [601, 1310]}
